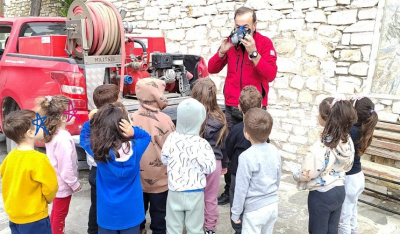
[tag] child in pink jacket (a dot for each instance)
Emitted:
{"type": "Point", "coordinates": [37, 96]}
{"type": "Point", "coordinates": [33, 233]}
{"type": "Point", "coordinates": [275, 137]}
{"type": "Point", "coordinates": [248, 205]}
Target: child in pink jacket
{"type": "Point", "coordinates": [60, 149]}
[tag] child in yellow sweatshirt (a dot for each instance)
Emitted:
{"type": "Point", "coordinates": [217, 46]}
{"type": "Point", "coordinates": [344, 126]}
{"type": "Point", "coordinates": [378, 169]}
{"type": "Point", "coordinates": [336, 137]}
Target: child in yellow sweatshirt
{"type": "Point", "coordinates": [29, 182]}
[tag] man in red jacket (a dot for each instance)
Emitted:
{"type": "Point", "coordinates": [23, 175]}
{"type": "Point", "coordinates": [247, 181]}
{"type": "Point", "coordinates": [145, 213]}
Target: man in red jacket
{"type": "Point", "coordinates": [250, 62]}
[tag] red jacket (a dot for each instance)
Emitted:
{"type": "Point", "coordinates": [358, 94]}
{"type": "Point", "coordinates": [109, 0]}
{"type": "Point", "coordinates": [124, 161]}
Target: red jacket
{"type": "Point", "coordinates": [242, 72]}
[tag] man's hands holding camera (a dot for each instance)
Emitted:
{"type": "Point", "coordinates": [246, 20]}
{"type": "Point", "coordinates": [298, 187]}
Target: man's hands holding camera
{"type": "Point", "coordinates": [225, 46]}
{"type": "Point", "coordinates": [249, 43]}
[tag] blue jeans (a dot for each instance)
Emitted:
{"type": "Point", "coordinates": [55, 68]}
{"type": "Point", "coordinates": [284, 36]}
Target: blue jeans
{"type": "Point", "coordinates": [133, 230]}
{"type": "Point", "coordinates": [41, 226]}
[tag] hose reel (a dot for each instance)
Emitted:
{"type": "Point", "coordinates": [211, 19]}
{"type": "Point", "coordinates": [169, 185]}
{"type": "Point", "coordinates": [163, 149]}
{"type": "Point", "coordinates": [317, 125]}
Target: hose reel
{"type": "Point", "coordinates": [95, 33]}
{"type": "Point", "coordinates": [100, 34]}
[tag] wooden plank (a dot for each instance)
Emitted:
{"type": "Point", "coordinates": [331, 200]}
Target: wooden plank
{"type": "Point", "coordinates": [382, 153]}
{"type": "Point", "coordinates": [388, 126]}
{"type": "Point", "coordinates": [386, 145]}
{"type": "Point", "coordinates": [381, 170]}
{"type": "Point", "coordinates": [387, 135]}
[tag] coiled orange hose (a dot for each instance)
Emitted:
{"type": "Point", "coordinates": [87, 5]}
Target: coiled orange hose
{"type": "Point", "coordinates": [108, 30]}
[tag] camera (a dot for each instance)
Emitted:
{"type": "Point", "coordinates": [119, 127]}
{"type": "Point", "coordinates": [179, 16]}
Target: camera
{"type": "Point", "coordinates": [238, 34]}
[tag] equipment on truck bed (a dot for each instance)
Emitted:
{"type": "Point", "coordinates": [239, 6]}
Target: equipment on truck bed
{"type": "Point", "coordinates": [96, 38]}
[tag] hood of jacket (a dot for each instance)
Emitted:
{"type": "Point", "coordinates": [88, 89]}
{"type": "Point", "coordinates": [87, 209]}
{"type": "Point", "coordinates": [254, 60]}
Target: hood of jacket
{"type": "Point", "coordinates": [150, 93]}
{"type": "Point", "coordinates": [190, 116]}
{"type": "Point", "coordinates": [213, 126]}
{"type": "Point", "coordinates": [124, 165]}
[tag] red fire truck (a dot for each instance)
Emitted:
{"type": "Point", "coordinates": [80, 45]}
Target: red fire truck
{"type": "Point", "coordinates": [42, 56]}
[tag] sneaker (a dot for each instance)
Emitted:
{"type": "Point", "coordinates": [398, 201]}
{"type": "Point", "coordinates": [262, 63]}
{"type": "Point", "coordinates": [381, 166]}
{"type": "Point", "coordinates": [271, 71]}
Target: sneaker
{"type": "Point", "coordinates": [209, 232]}
{"type": "Point", "coordinates": [223, 199]}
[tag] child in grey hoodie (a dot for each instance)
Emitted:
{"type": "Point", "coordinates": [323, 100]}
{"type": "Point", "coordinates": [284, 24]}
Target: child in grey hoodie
{"type": "Point", "coordinates": [188, 158]}
{"type": "Point", "coordinates": [257, 177]}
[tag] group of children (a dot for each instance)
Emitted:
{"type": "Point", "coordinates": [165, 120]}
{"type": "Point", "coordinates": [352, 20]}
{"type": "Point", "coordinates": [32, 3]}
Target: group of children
{"type": "Point", "coordinates": [142, 162]}
{"type": "Point", "coordinates": [332, 170]}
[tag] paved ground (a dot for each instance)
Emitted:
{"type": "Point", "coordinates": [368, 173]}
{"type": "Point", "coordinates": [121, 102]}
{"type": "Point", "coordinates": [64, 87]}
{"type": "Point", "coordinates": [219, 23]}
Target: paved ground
{"type": "Point", "coordinates": [293, 215]}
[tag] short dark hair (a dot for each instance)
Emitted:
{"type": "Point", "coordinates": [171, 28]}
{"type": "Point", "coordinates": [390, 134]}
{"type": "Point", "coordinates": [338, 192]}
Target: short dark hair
{"type": "Point", "coordinates": [258, 124]}
{"type": "Point", "coordinates": [105, 94]}
{"type": "Point", "coordinates": [243, 10]}
{"type": "Point", "coordinates": [17, 123]}
{"type": "Point", "coordinates": [249, 98]}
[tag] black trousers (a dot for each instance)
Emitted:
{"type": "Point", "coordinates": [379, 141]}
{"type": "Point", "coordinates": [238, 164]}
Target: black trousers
{"type": "Point", "coordinates": [324, 210]}
{"type": "Point", "coordinates": [93, 228]}
{"type": "Point", "coordinates": [158, 210]}
{"type": "Point", "coordinates": [231, 121]}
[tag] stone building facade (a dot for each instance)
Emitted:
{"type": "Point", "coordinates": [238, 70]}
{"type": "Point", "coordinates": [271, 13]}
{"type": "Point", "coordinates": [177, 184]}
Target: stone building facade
{"type": "Point", "coordinates": [22, 8]}
{"type": "Point", "coordinates": [325, 48]}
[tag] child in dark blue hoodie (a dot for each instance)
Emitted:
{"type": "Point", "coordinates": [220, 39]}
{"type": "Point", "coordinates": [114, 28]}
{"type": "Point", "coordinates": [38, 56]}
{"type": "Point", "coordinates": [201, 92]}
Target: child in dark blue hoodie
{"type": "Point", "coordinates": [118, 148]}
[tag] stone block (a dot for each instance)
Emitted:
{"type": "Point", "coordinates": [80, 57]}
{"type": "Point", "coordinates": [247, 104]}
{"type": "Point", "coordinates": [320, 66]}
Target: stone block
{"type": "Point", "coordinates": [328, 68]}
{"type": "Point", "coordinates": [297, 82]}
{"type": "Point", "coordinates": [298, 139]}
{"type": "Point", "coordinates": [211, 10]}
{"type": "Point", "coordinates": [176, 34]}
{"type": "Point", "coordinates": [288, 94]}
{"type": "Point", "coordinates": [287, 127]}
{"type": "Point", "coordinates": [174, 12]}
{"type": "Point", "coordinates": [225, 7]}
{"type": "Point", "coordinates": [214, 34]}
{"type": "Point", "coordinates": [281, 82]}
{"type": "Point", "coordinates": [350, 55]}
{"type": "Point", "coordinates": [362, 38]}
{"type": "Point", "coordinates": [322, 4]}
{"type": "Point", "coordinates": [314, 83]}
{"type": "Point", "coordinates": [359, 69]}
{"type": "Point", "coordinates": [361, 26]}
{"type": "Point", "coordinates": [364, 3]}
{"type": "Point", "coordinates": [287, 155]}
{"type": "Point", "coordinates": [365, 51]}
{"type": "Point", "coordinates": [194, 2]}
{"type": "Point", "coordinates": [289, 65]}
{"type": "Point", "coordinates": [290, 166]}
{"type": "Point", "coordinates": [272, 94]}
{"type": "Point", "coordinates": [396, 108]}
{"type": "Point", "coordinates": [305, 96]}
{"type": "Point", "coordinates": [291, 24]}
{"type": "Point", "coordinates": [316, 16]}
{"type": "Point", "coordinates": [289, 148]}
{"type": "Point", "coordinates": [311, 69]}
{"type": "Point", "coordinates": [305, 4]}
{"type": "Point", "coordinates": [379, 107]}
{"type": "Point", "coordinates": [342, 70]}
{"type": "Point", "coordinates": [204, 20]}
{"type": "Point", "coordinates": [151, 13]}
{"type": "Point", "coordinates": [315, 48]}
{"type": "Point", "coordinates": [304, 36]}
{"type": "Point", "coordinates": [330, 31]}
{"type": "Point", "coordinates": [386, 116]}
{"type": "Point", "coordinates": [269, 15]}
{"type": "Point", "coordinates": [297, 113]}
{"type": "Point", "coordinates": [172, 47]}
{"type": "Point", "coordinates": [344, 2]}
{"type": "Point", "coordinates": [367, 14]}
{"type": "Point", "coordinates": [342, 64]}
{"type": "Point", "coordinates": [257, 4]}
{"type": "Point", "coordinates": [219, 20]}
{"type": "Point", "coordinates": [283, 6]}
{"type": "Point", "coordinates": [386, 102]}
{"type": "Point", "coordinates": [197, 12]}
{"type": "Point", "coordinates": [167, 25]}
{"type": "Point", "coordinates": [343, 17]}
{"type": "Point", "coordinates": [346, 39]}
{"type": "Point", "coordinates": [284, 46]}
{"type": "Point", "coordinates": [197, 33]}
{"type": "Point", "coordinates": [188, 22]}
{"type": "Point", "coordinates": [278, 136]}
{"type": "Point", "coordinates": [277, 113]}
{"type": "Point", "coordinates": [301, 131]}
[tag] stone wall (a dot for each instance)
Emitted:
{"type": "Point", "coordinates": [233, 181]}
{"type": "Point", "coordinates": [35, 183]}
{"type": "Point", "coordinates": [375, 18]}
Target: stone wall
{"type": "Point", "coordinates": [22, 8]}
{"type": "Point", "coordinates": [325, 48]}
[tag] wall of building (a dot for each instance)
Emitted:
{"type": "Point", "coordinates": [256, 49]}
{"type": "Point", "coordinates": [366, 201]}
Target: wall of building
{"type": "Point", "coordinates": [325, 48]}
{"type": "Point", "coordinates": [22, 8]}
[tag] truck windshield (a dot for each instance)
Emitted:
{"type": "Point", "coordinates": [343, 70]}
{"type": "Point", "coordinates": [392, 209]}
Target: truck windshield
{"type": "Point", "coordinates": [43, 28]}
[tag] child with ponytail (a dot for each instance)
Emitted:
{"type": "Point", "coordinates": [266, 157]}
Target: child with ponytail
{"type": "Point", "coordinates": [324, 169]}
{"type": "Point", "coordinates": [60, 149]}
{"type": "Point", "coordinates": [361, 134]}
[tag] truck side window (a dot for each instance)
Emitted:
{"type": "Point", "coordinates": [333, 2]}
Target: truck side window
{"type": "Point", "coordinates": [4, 34]}
{"type": "Point", "coordinates": [42, 28]}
